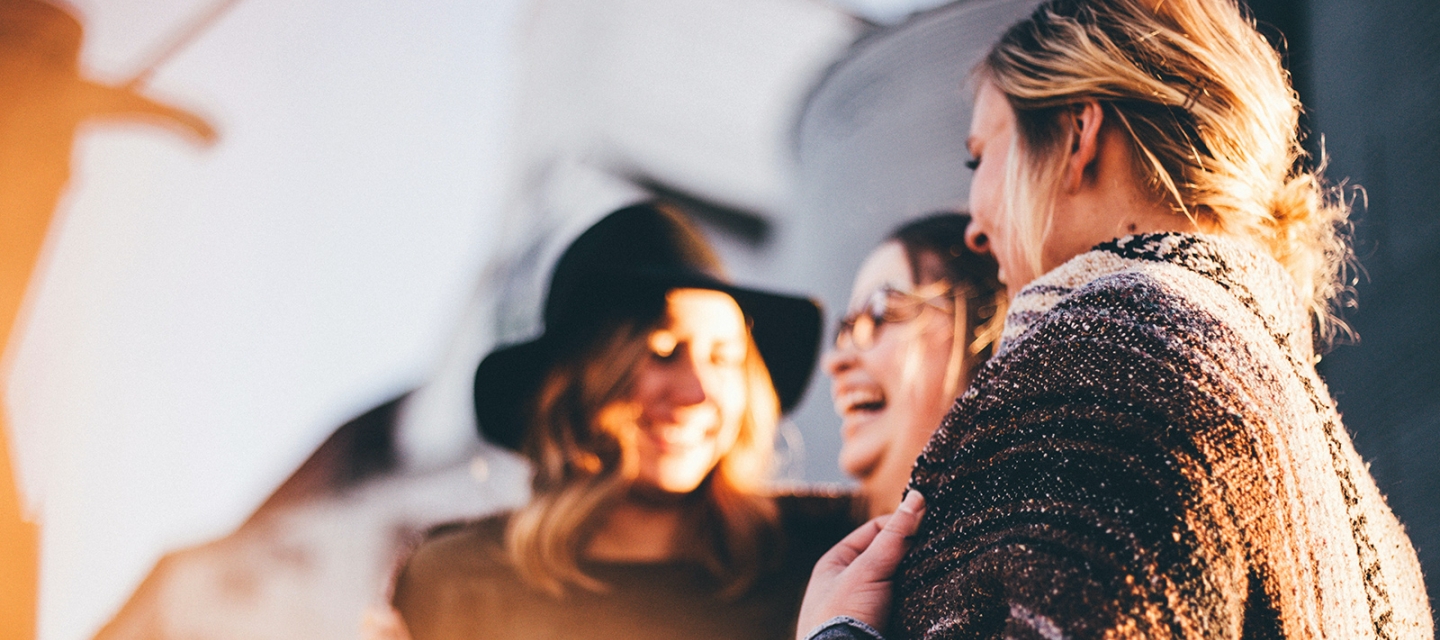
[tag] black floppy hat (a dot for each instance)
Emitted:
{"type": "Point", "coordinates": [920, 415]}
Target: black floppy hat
{"type": "Point", "coordinates": [621, 267]}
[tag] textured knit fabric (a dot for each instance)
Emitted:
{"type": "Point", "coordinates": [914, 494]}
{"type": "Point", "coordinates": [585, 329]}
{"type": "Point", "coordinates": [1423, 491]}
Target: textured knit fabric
{"type": "Point", "coordinates": [459, 583]}
{"type": "Point", "coordinates": [1151, 454]}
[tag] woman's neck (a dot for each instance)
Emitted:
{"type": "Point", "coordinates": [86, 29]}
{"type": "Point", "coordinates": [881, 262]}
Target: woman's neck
{"type": "Point", "coordinates": [638, 532]}
{"type": "Point", "coordinates": [1112, 201]}
{"type": "Point", "coordinates": [1077, 229]}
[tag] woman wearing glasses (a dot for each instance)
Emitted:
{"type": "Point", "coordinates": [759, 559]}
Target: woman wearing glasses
{"type": "Point", "coordinates": [924, 313]}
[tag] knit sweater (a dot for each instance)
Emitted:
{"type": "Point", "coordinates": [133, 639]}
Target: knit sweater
{"type": "Point", "coordinates": [1151, 454]}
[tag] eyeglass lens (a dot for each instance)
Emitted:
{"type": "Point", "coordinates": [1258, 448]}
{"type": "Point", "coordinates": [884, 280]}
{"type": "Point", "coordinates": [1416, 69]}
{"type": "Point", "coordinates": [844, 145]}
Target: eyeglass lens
{"type": "Point", "coordinates": [861, 326]}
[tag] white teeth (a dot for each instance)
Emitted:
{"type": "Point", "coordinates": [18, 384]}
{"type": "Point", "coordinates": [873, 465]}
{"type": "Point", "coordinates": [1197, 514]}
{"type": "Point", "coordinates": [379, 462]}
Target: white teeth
{"type": "Point", "coordinates": [851, 400]}
{"type": "Point", "coordinates": [682, 437]}
{"type": "Point", "coordinates": [687, 434]}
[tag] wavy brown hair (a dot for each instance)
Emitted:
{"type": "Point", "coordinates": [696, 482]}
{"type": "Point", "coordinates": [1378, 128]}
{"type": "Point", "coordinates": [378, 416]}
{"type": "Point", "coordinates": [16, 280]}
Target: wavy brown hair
{"type": "Point", "coordinates": [1211, 116]}
{"type": "Point", "coordinates": [583, 453]}
{"type": "Point", "coordinates": [974, 277]}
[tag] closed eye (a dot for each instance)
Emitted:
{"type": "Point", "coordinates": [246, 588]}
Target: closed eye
{"type": "Point", "coordinates": [663, 345]}
{"type": "Point", "coordinates": [728, 356]}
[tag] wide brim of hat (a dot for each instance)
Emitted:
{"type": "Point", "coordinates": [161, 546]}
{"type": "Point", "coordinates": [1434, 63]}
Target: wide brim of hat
{"type": "Point", "coordinates": [786, 330]}
{"type": "Point", "coordinates": [505, 384]}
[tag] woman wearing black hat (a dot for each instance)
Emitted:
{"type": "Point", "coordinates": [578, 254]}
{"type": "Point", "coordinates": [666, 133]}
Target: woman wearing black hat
{"type": "Point", "coordinates": [648, 410]}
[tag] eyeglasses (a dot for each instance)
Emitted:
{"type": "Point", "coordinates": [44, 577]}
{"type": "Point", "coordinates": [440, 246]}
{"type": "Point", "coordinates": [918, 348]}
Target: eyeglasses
{"type": "Point", "coordinates": [860, 327]}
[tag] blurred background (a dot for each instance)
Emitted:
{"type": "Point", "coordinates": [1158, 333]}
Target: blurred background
{"type": "Point", "coordinates": [267, 242]}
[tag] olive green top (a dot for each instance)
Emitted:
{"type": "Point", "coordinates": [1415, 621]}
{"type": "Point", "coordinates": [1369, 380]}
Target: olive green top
{"type": "Point", "coordinates": [459, 583]}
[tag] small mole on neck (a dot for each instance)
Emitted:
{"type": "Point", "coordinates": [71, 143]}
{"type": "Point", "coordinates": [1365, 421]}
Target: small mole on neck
{"type": "Point", "coordinates": [1131, 227]}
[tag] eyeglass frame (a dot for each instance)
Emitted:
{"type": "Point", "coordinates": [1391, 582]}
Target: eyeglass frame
{"type": "Point", "coordinates": [866, 314]}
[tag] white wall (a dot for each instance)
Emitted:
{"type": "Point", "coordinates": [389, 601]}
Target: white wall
{"type": "Point", "coordinates": [209, 315]}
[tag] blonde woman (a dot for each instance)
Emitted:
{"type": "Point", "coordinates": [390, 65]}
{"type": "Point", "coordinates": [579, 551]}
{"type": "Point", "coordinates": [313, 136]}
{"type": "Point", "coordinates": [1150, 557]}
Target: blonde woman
{"type": "Point", "coordinates": [925, 312]}
{"type": "Point", "coordinates": [1150, 454]}
{"type": "Point", "coordinates": [648, 410]}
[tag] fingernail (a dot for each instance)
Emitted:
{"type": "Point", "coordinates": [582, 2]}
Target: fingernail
{"type": "Point", "coordinates": [914, 500]}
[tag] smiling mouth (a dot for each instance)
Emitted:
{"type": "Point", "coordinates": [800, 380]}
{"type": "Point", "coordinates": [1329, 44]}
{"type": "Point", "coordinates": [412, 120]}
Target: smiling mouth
{"type": "Point", "coordinates": [860, 401]}
{"type": "Point", "coordinates": [678, 438]}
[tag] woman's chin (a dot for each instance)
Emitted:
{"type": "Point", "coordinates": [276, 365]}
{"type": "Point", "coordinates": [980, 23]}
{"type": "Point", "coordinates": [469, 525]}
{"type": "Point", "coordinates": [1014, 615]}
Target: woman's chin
{"type": "Point", "coordinates": [859, 462]}
{"type": "Point", "coordinates": [864, 437]}
{"type": "Point", "coordinates": [675, 478]}
{"type": "Point", "coordinates": [650, 493]}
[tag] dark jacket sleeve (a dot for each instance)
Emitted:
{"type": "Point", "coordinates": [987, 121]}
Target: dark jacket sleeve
{"type": "Point", "coordinates": [1074, 490]}
{"type": "Point", "coordinates": [844, 628]}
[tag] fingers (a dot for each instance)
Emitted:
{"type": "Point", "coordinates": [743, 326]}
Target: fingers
{"type": "Point", "coordinates": [888, 546]}
{"type": "Point", "coordinates": [906, 519]}
{"type": "Point", "coordinates": [848, 548]}
{"type": "Point", "coordinates": [854, 577]}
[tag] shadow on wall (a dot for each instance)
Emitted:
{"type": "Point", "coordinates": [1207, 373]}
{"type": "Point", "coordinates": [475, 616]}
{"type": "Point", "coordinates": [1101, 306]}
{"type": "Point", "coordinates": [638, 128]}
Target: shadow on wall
{"type": "Point", "coordinates": [43, 101]}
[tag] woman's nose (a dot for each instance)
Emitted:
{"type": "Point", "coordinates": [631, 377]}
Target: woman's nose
{"type": "Point", "coordinates": [976, 239]}
{"type": "Point", "coordinates": [687, 387]}
{"type": "Point", "coordinates": [838, 360]}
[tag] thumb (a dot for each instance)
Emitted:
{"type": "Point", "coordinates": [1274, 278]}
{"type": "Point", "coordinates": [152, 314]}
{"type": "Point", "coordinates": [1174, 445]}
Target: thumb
{"type": "Point", "coordinates": [879, 560]}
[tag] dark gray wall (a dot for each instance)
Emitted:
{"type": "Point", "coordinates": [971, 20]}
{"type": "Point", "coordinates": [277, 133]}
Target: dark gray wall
{"type": "Point", "coordinates": [1369, 72]}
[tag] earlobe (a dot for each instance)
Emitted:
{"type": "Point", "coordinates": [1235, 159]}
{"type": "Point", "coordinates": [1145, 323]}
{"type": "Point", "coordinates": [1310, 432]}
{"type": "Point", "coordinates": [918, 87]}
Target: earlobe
{"type": "Point", "coordinates": [1087, 116]}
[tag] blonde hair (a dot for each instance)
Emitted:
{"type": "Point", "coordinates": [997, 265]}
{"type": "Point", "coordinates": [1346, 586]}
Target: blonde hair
{"type": "Point", "coordinates": [1210, 114]}
{"type": "Point", "coordinates": [583, 453]}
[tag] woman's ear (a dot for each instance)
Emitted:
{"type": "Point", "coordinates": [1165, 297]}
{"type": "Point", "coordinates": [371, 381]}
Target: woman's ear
{"type": "Point", "coordinates": [1086, 119]}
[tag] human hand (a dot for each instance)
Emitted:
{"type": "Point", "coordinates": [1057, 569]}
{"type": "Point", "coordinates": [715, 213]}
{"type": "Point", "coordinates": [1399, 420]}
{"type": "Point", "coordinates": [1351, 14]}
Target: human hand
{"type": "Point", "coordinates": [853, 577]}
{"type": "Point", "coordinates": [381, 622]}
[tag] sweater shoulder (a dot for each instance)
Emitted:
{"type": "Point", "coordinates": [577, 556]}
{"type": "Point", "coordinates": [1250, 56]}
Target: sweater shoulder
{"type": "Point", "coordinates": [1159, 309]}
{"type": "Point", "coordinates": [462, 551]}
{"type": "Point", "coordinates": [1158, 294]}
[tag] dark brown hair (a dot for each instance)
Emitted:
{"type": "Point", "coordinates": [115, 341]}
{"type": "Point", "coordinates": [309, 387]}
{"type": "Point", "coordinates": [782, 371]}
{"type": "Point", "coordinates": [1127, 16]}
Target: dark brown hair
{"type": "Point", "coordinates": [942, 236]}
